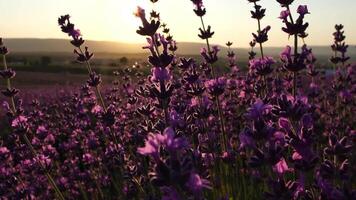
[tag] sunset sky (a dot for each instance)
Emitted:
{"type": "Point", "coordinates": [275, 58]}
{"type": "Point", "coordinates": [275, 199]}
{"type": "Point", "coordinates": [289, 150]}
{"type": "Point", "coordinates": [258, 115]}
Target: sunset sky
{"type": "Point", "coordinates": [113, 20]}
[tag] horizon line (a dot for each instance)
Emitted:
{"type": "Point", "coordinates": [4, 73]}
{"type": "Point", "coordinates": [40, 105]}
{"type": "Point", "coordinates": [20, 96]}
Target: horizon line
{"type": "Point", "coordinates": [137, 43]}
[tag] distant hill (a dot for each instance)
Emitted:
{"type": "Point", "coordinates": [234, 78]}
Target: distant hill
{"type": "Point", "coordinates": [185, 48]}
{"type": "Point", "coordinates": [62, 45]}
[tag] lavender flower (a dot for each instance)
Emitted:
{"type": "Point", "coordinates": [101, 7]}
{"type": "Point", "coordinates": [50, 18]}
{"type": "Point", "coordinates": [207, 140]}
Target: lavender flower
{"type": "Point", "coordinates": [262, 66]}
{"type": "Point", "coordinates": [190, 129]}
{"type": "Point", "coordinates": [147, 28]}
{"type": "Point", "coordinates": [216, 87]}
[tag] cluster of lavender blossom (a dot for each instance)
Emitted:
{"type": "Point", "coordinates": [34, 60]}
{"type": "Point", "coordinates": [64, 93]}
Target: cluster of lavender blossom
{"type": "Point", "coordinates": [280, 130]}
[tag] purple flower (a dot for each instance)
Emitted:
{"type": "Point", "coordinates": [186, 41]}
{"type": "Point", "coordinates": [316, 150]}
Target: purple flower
{"type": "Point", "coordinates": [10, 92]}
{"type": "Point", "coordinates": [286, 54]}
{"type": "Point", "coordinates": [4, 154]}
{"type": "Point", "coordinates": [69, 28]}
{"type": "Point", "coordinates": [199, 7]}
{"type": "Point", "coordinates": [88, 159]}
{"type": "Point", "coordinates": [83, 57]}
{"type": "Point", "coordinates": [152, 145]}
{"type": "Point", "coordinates": [75, 33]}
{"type": "Point", "coordinates": [210, 57]}
{"type": "Point", "coordinates": [281, 167]}
{"type": "Point", "coordinates": [150, 46]}
{"type": "Point", "coordinates": [205, 34]}
{"type": "Point", "coordinates": [216, 87]}
{"type": "Point", "coordinates": [246, 140]}
{"type": "Point", "coordinates": [147, 28]}
{"type": "Point", "coordinates": [94, 79]}
{"type": "Point", "coordinates": [164, 43]}
{"type": "Point", "coordinates": [303, 10]}
{"type": "Point", "coordinates": [171, 142]}
{"type": "Point", "coordinates": [160, 74]}
{"type": "Point", "coordinates": [262, 36]}
{"type": "Point", "coordinates": [284, 15]}
{"type": "Point", "coordinates": [285, 124]}
{"type": "Point", "coordinates": [44, 160]}
{"type": "Point", "coordinates": [258, 110]}
{"type": "Point", "coordinates": [176, 120]}
{"type": "Point", "coordinates": [297, 27]}
{"type": "Point", "coordinates": [262, 66]}
{"type": "Point", "coordinates": [297, 62]}
{"type": "Point", "coordinates": [168, 140]}
{"type": "Point", "coordinates": [19, 121]}
{"type": "Point", "coordinates": [8, 74]}
{"type": "Point", "coordinates": [196, 184]}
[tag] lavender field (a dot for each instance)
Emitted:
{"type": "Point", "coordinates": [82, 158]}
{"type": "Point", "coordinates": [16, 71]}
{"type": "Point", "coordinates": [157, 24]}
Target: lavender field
{"type": "Point", "coordinates": [176, 126]}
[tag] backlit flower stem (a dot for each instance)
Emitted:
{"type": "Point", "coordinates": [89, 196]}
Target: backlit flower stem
{"type": "Point", "coordinates": [217, 101]}
{"type": "Point", "coordinates": [208, 46]}
{"type": "Point", "coordinates": [97, 89]}
{"type": "Point", "coordinates": [295, 74]}
{"type": "Point", "coordinates": [259, 31]}
{"type": "Point", "coordinates": [8, 85]}
{"type": "Point", "coordinates": [98, 94]}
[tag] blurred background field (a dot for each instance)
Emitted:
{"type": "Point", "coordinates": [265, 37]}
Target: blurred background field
{"type": "Point", "coordinates": [50, 62]}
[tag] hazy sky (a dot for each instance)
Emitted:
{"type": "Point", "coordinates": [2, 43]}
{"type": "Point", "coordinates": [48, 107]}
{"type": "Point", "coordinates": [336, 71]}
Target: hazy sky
{"type": "Point", "coordinates": [113, 19]}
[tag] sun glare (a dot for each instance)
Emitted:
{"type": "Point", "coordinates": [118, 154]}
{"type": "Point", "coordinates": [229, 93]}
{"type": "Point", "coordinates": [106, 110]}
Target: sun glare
{"type": "Point", "coordinates": [128, 9]}
{"type": "Point", "coordinates": [121, 18]}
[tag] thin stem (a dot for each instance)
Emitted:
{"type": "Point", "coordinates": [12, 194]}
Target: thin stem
{"type": "Point", "coordinates": [290, 15]}
{"type": "Point", "coordinates": [100, 98]}
{"type": "Point", "coordinates": [165, 106]}
{"type": "Point", "coordinates": [294, 84]}
{"type": "Point", "coordinates": [259, 31]}
{"type": "Point", "coordinates": [98, 93]}
{"type": "Point", "coordinates": [86, 61]}
{"type": "Point", "coordinates": [295, 46]}
{"type": "Point", "coordinates": [49, 177]}
{"type": "Point", "coordinates": [335, 65]}
{"type": "Point", "coordinates": [295, 74]}
{"type": "Point", "coordinates": [217, 102]}
{"type": "Point", "coordinates": [222, 124]}
{"type": "Point", "coordinates": [208, 46]}
{"type": "Point", "coordinates": [8, 85]}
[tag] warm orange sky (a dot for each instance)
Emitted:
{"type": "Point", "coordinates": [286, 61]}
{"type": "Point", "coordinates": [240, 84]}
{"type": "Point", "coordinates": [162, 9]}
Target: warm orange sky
{"type": "Point", "coordinates": [113, 20]}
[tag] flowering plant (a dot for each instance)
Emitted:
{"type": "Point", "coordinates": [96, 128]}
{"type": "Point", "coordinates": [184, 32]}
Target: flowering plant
{"type": "Point", "coordinates": [274, 129]}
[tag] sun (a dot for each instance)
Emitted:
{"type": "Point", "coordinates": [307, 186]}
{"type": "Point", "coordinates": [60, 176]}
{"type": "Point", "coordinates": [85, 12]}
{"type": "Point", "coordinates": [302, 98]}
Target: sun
{"type": "Point", "coordinates": [126, 9]}
{"type": "Point", "coordinates": [120, 19]}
